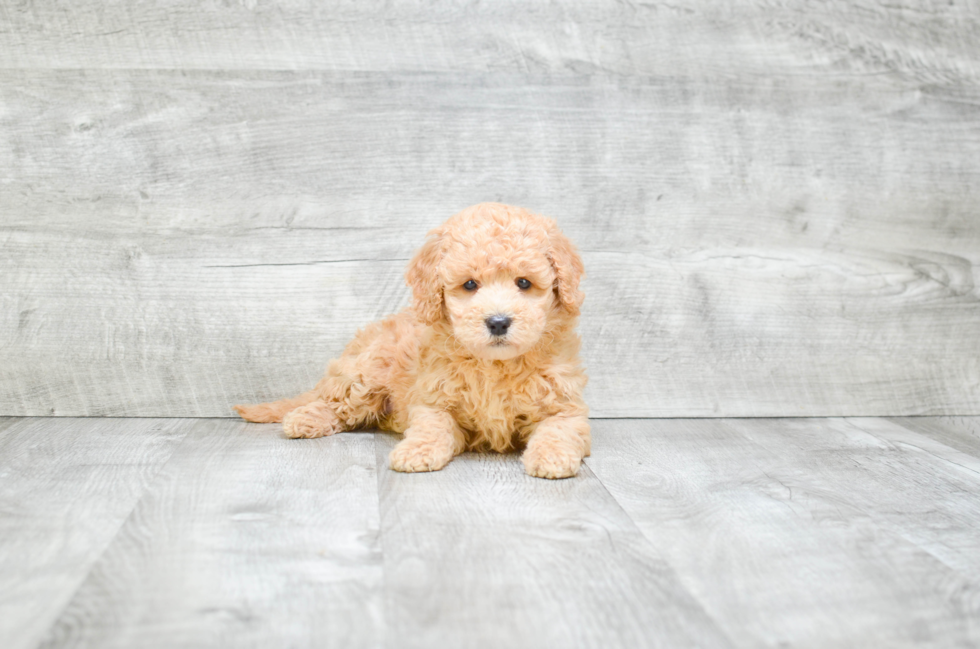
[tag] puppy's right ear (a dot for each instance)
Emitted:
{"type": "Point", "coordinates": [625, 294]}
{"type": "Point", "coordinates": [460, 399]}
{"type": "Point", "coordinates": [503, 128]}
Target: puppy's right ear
{"type": "Point", "coordinates": [423, 278]}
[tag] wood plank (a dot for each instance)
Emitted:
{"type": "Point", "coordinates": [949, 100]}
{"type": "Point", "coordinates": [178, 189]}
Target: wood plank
{"type": "Point", "coordinates": [244, 539]}
{"type": "Point", "coordinates": [933, 499]}
{"type": "Point", "coordinates": [808, 533]}
{"type": "Point", "coordinates": [481, 555]}
{"type": "Point", "coordinates": [936, 40]}
{"type": "Point", "coordinates": [66, 486]}
{"type": "Point", "coordinates": [960, 433]}
{"type": "Point", "coordinates": [176, 242]}
{"type": "Point", "coordinates": [967, 425]}
{"type": "Point", "coordinates": [910, 484]}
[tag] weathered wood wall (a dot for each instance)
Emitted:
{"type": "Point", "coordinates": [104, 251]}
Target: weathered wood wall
{"type": "Point", "coordinates": [778, 203]}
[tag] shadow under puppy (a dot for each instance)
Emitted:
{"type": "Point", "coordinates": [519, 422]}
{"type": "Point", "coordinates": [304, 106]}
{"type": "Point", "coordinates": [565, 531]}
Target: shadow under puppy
{"type": "Point", "coordinates": [485, 359]}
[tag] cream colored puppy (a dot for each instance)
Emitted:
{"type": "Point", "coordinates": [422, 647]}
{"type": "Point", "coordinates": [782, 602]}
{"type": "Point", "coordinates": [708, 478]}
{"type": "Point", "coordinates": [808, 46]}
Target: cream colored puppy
{"type": "Point", "coordinates": [485, 359]}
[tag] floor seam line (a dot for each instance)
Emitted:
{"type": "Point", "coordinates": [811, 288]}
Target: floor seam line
{"type": "Point", "coordinates": [88, 573]}
{"type": "Point", "coordinates": [378, 468]}
{"type": "Point", "coordinates": [649, 543]}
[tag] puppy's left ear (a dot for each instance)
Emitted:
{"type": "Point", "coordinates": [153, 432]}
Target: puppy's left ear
{"type": "Point", "coordinates": [569, 270]}
{"type": "Point", "coordinates": [422, 277]}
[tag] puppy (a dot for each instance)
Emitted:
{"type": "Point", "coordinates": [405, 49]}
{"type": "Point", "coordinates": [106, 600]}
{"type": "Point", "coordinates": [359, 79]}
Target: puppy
{"type": "Point", "coordinates": [485, 359]}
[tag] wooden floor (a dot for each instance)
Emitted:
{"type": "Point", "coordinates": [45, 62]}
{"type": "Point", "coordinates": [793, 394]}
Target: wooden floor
{"type": "Point", "coordinates": [677, 533]}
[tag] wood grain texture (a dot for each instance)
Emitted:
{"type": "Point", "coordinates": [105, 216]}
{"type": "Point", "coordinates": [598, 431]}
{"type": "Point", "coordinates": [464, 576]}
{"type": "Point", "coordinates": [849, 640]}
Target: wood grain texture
{"type": "Point", "coordinates": [809, 533]}
{"type": "Point", "coordinates": [245, 539]}
{"type": "Point", "coordinates": [482, 555]}
{"type": "Point", "coordinates": [817, 533]}
{"type": "Point", "coordinates": [960, 433]}
{"type": "Point", "coordinates": [686, 37]}
{"type": "Point", "coordinates": [66, 486]}
{"type": "Point", "coordinates": [776, 205]}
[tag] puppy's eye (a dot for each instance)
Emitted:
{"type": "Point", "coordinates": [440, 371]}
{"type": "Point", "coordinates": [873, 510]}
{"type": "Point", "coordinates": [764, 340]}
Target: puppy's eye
{"type": "Point", "coordinates": [470, 285]}
{"type": "Point", "coordinates": [523, 284]}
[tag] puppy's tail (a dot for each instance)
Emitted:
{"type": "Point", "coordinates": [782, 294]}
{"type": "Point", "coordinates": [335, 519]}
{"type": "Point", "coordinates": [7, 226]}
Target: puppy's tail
{"type": "Point", "coordinates": [274, 411]}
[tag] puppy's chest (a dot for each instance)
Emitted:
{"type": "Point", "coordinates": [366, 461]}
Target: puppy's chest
{"type": "Point", "coordinates": [499, 405]}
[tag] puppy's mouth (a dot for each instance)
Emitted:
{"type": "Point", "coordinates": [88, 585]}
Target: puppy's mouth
{"type": "Point", "coordinates": [499, 342]}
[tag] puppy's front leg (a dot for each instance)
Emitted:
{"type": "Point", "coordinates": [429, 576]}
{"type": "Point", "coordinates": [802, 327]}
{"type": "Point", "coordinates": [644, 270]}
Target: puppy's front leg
{"type": "Point", "coordinates": [557, 446]}
{"type": "Point", "coordinates": [432, 439]}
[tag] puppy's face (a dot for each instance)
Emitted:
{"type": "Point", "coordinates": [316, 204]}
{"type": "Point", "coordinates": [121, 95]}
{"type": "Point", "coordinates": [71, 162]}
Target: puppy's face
{"type": "Point", "coordinates": [499, 314]}
{"type": "Point", "coordinates": [498, 275]}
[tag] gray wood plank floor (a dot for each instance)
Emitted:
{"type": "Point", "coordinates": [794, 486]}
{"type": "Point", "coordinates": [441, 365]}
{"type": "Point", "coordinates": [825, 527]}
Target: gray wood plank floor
{"type": "Point", "coordinates": [710, 532]}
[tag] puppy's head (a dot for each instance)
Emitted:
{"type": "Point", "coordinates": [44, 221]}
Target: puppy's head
{"type": "Point", "coordinates": [498, 275]}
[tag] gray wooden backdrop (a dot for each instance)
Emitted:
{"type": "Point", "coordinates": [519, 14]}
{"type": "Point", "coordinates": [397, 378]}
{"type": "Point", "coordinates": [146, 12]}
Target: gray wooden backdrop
{"type": "Point", "coordinates": [777, 202]}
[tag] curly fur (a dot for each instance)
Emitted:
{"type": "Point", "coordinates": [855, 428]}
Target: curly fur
{"type": "Point", "coordinates": [435, 373]}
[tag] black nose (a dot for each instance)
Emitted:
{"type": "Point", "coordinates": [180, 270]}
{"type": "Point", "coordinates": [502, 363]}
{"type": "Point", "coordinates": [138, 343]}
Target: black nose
{"type": "Point", "coordinates": [498, 324]}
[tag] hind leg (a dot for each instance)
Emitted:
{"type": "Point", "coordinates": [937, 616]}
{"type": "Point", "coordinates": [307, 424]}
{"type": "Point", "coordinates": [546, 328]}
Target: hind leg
{"type": "Point", "coordinates": [316, 419]}
{"type": "Point", "coordinates": [354, 393]}
{"type": "Point", "coordinates": [343, 404]}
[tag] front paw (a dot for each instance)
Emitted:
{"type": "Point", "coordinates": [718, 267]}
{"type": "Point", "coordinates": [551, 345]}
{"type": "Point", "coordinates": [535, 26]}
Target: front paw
{"type": "Point", "coordinates": [415, 456]}
{"type": "Point", "coordinates": [551, 461]}
{"type": "Point", "coordinates": [313, 420]}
